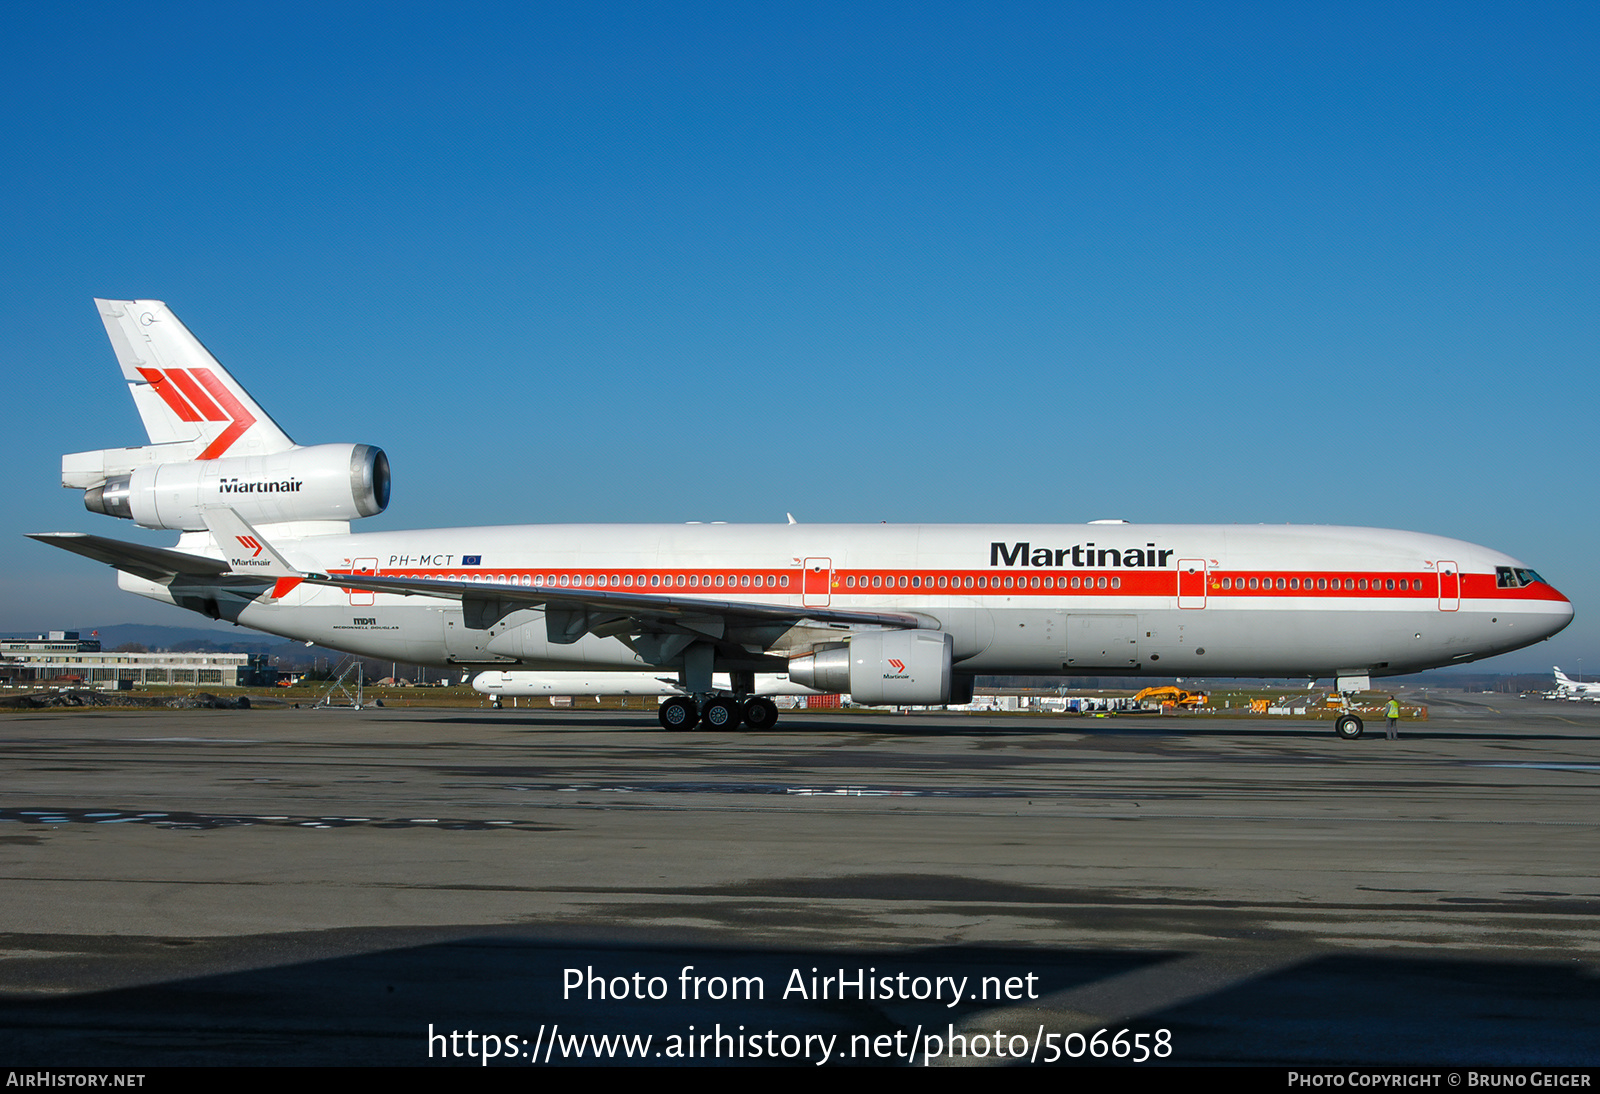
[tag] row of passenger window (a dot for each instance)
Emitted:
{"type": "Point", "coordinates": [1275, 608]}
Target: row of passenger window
{"type": "Point", "coordinates": [1375, 584]}
{"type": "Point", "coordinates": [625, 581]}
{"type": "Point", "coordinates": [1384, 584]}
{"type": "Point", "coordinates": [878, 581]}
{"type": "Point", "coordinates": [902, 581]}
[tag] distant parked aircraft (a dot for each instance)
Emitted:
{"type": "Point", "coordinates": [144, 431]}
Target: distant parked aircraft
{"type": "Point", "coordinates": [1568, 688]}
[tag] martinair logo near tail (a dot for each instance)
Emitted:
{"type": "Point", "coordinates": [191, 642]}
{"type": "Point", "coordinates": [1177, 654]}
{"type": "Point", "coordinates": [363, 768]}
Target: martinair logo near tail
{"type": "Point", "coordinates": [197, 395]}
{"type": "Point", "coordinates": [250, 542]}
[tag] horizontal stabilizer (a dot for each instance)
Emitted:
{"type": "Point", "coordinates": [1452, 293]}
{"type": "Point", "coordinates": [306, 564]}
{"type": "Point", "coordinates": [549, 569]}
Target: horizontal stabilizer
{"type": "Point", "coordinates": [154, 563]}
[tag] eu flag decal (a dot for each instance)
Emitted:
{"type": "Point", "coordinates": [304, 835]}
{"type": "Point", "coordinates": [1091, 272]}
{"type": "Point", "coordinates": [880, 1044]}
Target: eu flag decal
{"type": "Point", "coordinates": [472, 560]}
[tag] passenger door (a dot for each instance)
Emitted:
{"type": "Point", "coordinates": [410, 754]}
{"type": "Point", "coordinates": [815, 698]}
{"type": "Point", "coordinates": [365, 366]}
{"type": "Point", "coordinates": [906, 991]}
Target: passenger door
{"type": "Point", "coordinates": [1449, 586]}
{"type": "Point", "coordinates": [816, 583]}
{"type": "Point", "coordinates": [1192, 580]}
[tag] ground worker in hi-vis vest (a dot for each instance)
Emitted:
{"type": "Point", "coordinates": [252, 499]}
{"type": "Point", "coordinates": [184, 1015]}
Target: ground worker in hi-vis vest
{"type": "Point", "coordinates": [1392, 712]}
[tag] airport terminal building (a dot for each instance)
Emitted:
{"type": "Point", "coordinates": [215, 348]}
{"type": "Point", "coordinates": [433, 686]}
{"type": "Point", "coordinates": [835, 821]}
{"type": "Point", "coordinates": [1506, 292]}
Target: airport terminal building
{"type": "Point", "coordinates": [64, 659]}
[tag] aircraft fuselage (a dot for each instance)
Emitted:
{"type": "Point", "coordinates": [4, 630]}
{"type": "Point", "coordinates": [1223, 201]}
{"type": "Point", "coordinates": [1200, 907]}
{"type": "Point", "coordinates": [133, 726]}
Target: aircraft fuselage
{"type": "Point", "coordinates": [1123, 599]}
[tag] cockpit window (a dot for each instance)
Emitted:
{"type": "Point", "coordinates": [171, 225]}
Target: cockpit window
{"type": "Point", "coordinates": [1505, 577]}
{"type": "Point", "coordinates": [1528, 577]}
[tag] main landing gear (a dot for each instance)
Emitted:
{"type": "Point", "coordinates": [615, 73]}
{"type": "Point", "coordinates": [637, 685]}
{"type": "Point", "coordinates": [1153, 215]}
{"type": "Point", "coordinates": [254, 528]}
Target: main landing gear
{"type": "Point", "coordinates": [1348, 726]}
{"type": "Point", "coordinates": [718, 712]}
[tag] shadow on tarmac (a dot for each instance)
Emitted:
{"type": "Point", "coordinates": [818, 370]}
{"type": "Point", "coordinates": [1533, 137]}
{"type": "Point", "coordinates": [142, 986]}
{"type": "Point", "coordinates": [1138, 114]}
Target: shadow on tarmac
{"type": "Point", "coordinates": [377, 1007]}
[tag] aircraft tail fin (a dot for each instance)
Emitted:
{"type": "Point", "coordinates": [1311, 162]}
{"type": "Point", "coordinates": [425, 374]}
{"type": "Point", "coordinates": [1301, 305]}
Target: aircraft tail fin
{"type": "Point", "coordinates": [185, 397]}
{"type": "Point", "coordinates": [1561, 677]}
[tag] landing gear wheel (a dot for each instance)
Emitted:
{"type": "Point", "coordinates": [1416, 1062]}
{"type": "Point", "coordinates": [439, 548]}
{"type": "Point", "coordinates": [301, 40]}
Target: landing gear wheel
{"type": "Point", "coordinates": [760, 713]}
{"type": "Point", "coordinates": [722, 714]}
{"type": "Point", "coordinates": [679, 713]}
{"type": "Point", "coordinates": [1348, 726]}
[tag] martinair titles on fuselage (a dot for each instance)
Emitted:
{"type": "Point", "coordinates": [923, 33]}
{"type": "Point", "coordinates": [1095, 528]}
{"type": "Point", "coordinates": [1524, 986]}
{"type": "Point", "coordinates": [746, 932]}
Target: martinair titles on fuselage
{"type": "Point", "coordinates": [1079, 554]}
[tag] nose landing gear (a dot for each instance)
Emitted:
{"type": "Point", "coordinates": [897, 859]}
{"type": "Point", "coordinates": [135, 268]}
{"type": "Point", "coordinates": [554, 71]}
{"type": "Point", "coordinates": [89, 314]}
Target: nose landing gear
{"type": "Point", "coordinates": [1348, 726]}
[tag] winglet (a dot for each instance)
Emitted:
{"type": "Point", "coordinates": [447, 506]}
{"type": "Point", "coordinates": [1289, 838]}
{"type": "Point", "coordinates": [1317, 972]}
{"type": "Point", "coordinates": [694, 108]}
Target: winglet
{"type": "Point", "coordinates": [248, 552]}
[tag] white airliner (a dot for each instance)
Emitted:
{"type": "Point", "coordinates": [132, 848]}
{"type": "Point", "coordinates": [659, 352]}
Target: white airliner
{"type": "Point", "coordinates": [890, 614]}
{"type": "Point", "coordinates": [1568, 688]}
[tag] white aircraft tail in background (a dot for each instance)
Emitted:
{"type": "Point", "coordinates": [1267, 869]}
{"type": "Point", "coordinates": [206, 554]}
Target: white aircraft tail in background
{"type": "Point", "coordinates": [1568, 688]}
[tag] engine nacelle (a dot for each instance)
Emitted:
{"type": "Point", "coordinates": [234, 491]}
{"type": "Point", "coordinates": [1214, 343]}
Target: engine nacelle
{"type": "Point", "coordinates": [318, 482]}
{"type": "Point", "coordinates": [882, 668]}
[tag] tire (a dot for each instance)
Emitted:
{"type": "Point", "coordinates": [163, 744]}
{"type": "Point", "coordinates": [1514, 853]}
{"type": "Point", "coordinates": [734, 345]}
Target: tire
{"type": "Point", "coordinates": [723, 714]}
{"type": "Point", "coordinates": [678, 714]}
{"type": "Point", "coordinates": [760, 713]}
{"type": "Point", "coordinates": [1348, 726]}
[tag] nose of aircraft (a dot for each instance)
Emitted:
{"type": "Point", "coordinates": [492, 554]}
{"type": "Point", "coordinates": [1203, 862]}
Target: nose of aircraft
{"type": "Point", "coordinates": [1553, 615]}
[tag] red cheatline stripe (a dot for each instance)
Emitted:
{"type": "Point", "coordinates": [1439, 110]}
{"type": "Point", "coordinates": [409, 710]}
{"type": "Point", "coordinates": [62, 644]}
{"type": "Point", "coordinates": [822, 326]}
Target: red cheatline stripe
{"type": "Point", "coordinates": [242, 418]}
{"type": "Point", "coordinates": [205, 406]}
{"type": "Point", "coordinates": [1133, 584]}
{"type": "Point", "coordinates": [170, 396]}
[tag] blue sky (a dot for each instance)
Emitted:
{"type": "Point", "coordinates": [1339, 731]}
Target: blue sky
{"type": "Point", "coordinates": [909, 262]}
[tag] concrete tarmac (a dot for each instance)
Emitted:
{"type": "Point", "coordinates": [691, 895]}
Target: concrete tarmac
{"type": "Point", "coordinates": [287, 887]}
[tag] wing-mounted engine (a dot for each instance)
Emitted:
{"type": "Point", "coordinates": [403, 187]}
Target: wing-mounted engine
{"type": "Point", "coordinates": [324, 482]}
{"type": "Point", "coordinates": [882, 668]}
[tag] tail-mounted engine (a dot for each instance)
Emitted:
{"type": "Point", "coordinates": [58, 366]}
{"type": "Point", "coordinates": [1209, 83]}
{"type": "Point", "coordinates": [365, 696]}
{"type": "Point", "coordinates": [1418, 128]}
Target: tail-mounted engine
{"type": "Point", "coordinates": [317, 482]}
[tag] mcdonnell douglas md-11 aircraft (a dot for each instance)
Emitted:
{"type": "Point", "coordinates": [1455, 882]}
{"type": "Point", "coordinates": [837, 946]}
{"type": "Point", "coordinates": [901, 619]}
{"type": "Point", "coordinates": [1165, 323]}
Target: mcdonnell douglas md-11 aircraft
{"type": "Point", "coordinates": [904, 615]}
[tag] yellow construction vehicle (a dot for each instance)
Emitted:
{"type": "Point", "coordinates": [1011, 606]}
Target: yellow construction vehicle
{"type": "Point", "coordinates": [1169, 696]}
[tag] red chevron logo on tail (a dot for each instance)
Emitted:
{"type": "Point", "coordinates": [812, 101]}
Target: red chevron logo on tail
{"type": "Point", "coordinates": [197, 395]}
